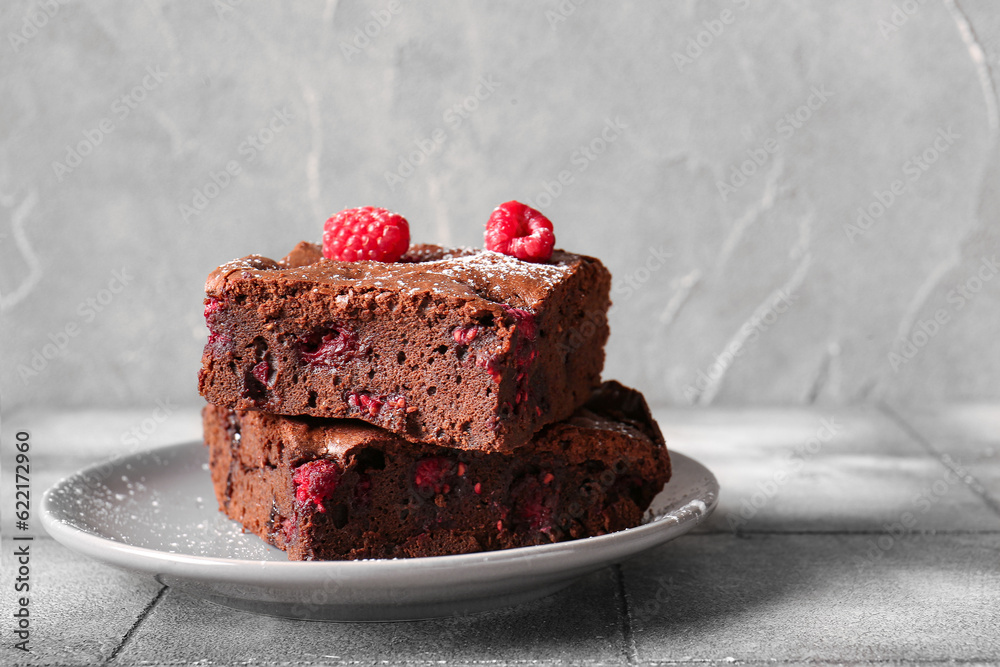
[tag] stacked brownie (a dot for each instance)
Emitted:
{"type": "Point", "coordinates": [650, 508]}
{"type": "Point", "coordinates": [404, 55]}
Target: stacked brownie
{"type": "Point", "coordinates": [447, 402]}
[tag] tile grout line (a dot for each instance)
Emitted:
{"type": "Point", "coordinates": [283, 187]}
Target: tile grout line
{"type": "Point", "coordinates": [135, 626]}
{"type": "Point", "coordinates": [821, 662]}
{"type": "Point", "coordinates": [631, 653]}
{"type": "Point", "coordinates": [971, 482]}
{"type": "Point", "coordinates": [867, 531]}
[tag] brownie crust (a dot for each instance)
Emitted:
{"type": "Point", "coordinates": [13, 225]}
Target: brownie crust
{"type": "Point", "coordinates": [454, 347]}
{"type": "Point", "coordinates": [342, 489]}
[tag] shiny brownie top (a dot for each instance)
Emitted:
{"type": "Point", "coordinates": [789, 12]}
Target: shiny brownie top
{"type": "Point", "coordinates": [458, 272]}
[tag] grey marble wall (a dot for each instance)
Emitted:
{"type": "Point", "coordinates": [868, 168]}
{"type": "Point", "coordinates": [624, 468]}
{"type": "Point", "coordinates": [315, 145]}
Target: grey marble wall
{"type": "Point", "coordinates": [798, 200]}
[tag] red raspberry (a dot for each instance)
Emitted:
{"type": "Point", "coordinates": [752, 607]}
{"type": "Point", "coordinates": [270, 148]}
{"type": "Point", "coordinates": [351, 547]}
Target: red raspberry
{"type": "Point", "coordinates": [364, 233]}
{"type": "Point", "coordinates": [520, 231]}
{"type": "Point", "coordinates": [433, 475]}
{"type": "Point", "coordinates": [315, 482]}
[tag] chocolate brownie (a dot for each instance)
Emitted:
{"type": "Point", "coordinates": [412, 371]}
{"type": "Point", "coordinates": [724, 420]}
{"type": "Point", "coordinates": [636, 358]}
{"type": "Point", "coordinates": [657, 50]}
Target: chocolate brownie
{"type": "Point", "coordinates": [454, 347]}
{"type": "Point", "coordinates": [326, 489]}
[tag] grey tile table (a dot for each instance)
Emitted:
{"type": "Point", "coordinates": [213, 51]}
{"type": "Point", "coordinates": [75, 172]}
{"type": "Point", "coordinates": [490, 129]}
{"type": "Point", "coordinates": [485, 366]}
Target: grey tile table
{"type": "Point", "coordinates": [845, 535]}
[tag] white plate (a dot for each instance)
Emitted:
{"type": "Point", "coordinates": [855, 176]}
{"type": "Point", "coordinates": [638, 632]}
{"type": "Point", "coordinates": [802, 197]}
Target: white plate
{"type": "Point", "coordinates": [155, 513]}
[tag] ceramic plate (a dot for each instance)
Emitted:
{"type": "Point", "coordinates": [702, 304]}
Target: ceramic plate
{"type": "Point", "coordinates": [155, 513]}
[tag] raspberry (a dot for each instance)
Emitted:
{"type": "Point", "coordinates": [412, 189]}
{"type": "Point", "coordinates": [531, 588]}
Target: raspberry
{"type": "Point", "coordinates": [315, 482]}
{"type": "Point", "coordinates": [290, 529]}
{"type": "Point", "coordinates": [535, 507]}
{"type": "Point", "coordinates": [365, 403]}
{"type": "Point", "coordinates": [432, 475]}
{"type": "Point", "coordinates": [366, 233]}
{"type": "Point", "coordinates": [536, 513]}
{"type": "Point", "coordinates": [329, 347]}
{"type": "Point", "coordinates": [212, 305]}
{"type": "Point", "coordinates": [362, 490]}
{"type": "Point", "coordinates": [261, 371]}
{"type": "Point", "coordinates": [218, 342]}
{"type": "Point", "coordinates": [524, 320]}
{"type": "Point", "coordinates": [520, 231]}
{"type": "Point", "coordinates": [465, 335]}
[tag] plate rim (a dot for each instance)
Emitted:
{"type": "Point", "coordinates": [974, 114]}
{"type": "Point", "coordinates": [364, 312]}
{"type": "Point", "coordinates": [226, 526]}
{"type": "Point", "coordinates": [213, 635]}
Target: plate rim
{"type": "Point", "coordinates": [545, 559]}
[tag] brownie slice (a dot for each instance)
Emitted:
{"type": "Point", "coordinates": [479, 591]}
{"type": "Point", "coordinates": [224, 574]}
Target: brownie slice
{"type": "Point", "coordinates": [455, 347]}
{"type": "Point", "coordinates": [325, 489]}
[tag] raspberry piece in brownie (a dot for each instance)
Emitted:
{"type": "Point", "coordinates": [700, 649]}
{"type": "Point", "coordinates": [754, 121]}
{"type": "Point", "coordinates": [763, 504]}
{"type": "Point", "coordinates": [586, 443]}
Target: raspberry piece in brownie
{"type": "Point", "coordinates": [315, 482]}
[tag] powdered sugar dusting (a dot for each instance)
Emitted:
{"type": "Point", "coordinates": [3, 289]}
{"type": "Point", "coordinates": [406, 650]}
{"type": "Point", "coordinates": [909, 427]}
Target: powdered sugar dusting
{"type": "Point", "coordinates": [500, 278]}
{"type": "Point", "coordinates": [504, 267]}
{"type": "Point", "coordinates": [426, 269]}
{"type": "Point", "coordinates": [161, 500]}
